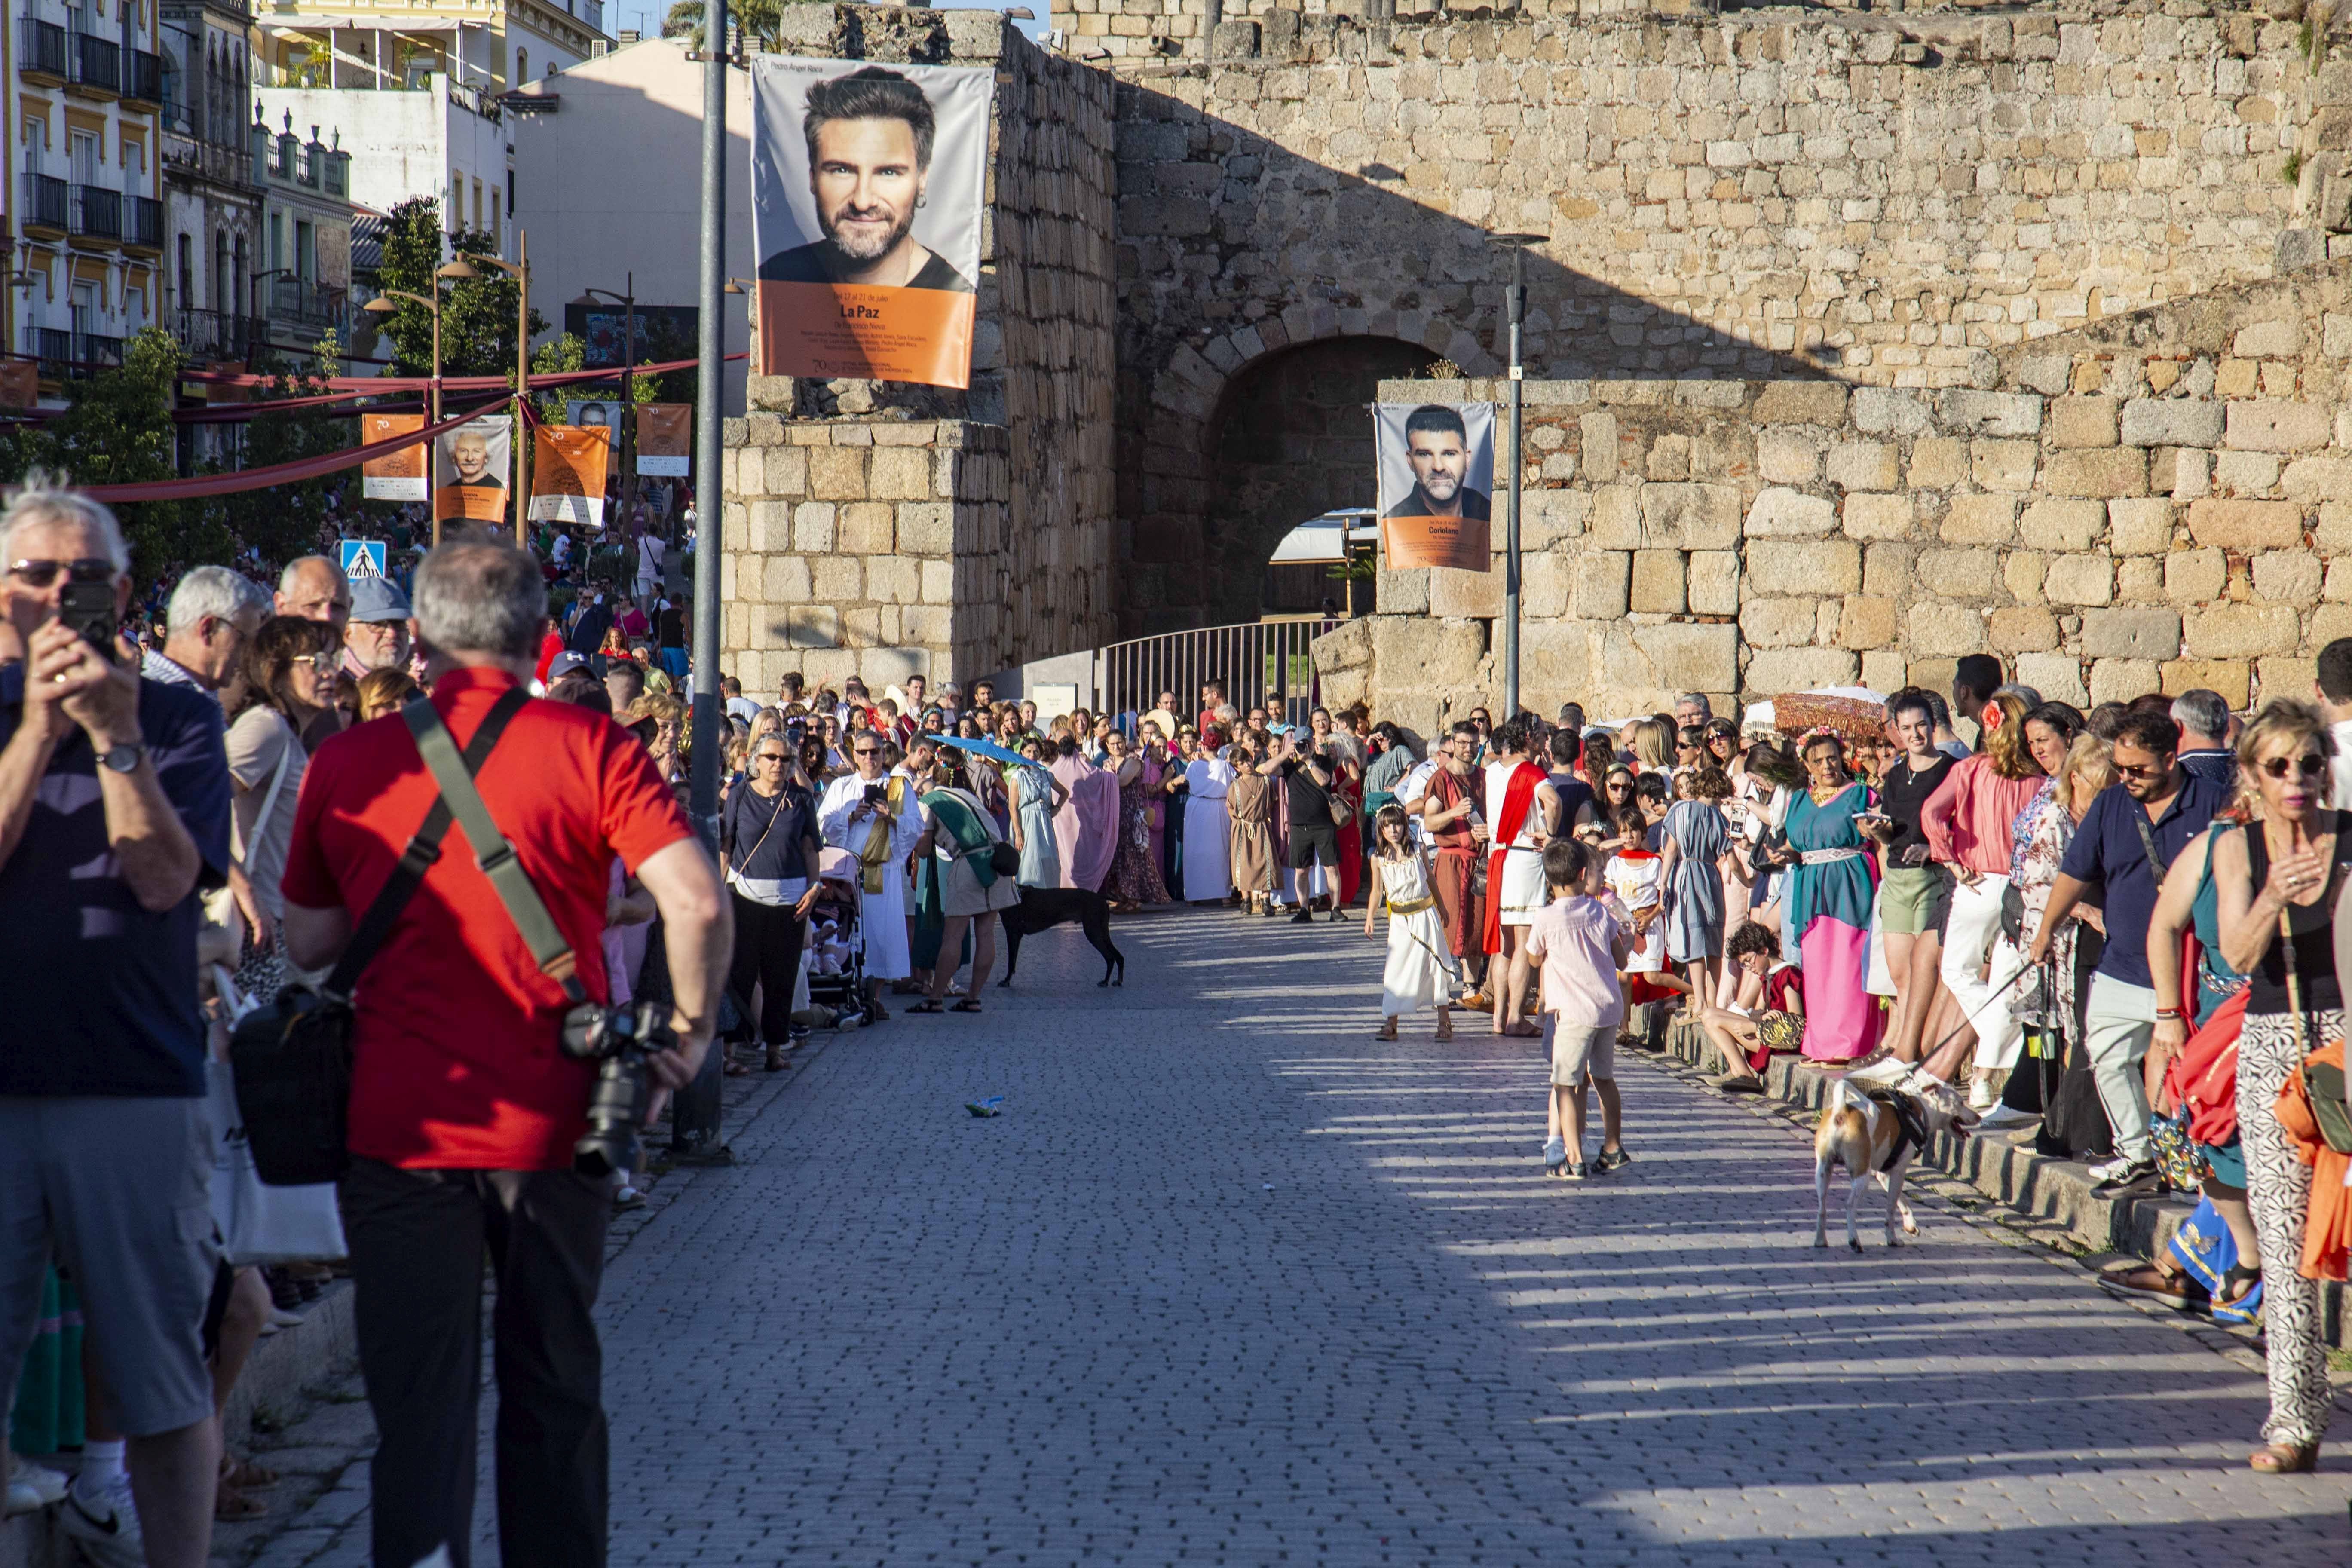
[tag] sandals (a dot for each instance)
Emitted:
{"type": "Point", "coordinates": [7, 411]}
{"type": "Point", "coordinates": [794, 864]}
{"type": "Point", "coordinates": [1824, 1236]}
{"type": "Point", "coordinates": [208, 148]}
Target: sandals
{"type": "Point", "coordinates": [1388, 1031]}
{"type": "Point", "coordinates": [1444, 1030]}
{"type": "Point", "coordinates": [245, 1476]}
{"type": "Point", "coordinates": [2237, 1273]}
{"type": "Point", "coordinates": [775, 1062]}
{"type": "Point", "coordinates": [2150, 1283]}
{"type": "Point", "coordinates": [2285, 1458]}
{"type": "Point", "coordinates": [233, 1507]}
{"type": "Point", "coordinates": [967, 1004]}
{"type": "Point", "coordinates": [926, 1006]}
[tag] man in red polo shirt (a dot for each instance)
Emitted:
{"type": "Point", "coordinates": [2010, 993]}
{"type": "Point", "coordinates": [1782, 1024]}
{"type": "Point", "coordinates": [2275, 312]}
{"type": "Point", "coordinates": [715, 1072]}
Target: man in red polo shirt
{"type": "Point", "coordinates": [463, 1111]}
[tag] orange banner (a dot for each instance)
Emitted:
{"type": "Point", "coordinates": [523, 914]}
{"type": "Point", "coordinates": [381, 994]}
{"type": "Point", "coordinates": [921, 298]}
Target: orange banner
{"type": "Point", "coordinates": [1457, 541]}
{"type": "Point", "coordinates": [396, 475]}
{"type": "Point", "coordinates": [567, 474]}
{"type": "Point", "coordinates": [836, 330]}
{"type": "Point", "coordinates": [664, 437]}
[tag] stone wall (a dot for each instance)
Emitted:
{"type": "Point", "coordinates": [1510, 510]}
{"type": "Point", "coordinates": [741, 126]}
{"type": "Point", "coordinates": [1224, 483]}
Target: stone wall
{"type": "Point", "coordinates": [2155, 502]}
{"type": "Point", "coordinates": [1892, 200]}
{"type": "Point", "coordinates": [879, 529]}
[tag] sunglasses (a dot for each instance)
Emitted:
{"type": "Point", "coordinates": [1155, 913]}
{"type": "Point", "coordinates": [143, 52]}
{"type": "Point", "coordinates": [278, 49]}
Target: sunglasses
{"type": "Point", "coordinates": [2311, 765]}
{"type": "Point", "coordinates": [867, 751]}
{"type": "Point", "coordinates": [41, 574]}
{"type": "Point", "coordinates": [321, 662]}
{"type": "Point", "coordinates": [775, 757]}
{"type": "Point", "coordinates": [2154, 770]}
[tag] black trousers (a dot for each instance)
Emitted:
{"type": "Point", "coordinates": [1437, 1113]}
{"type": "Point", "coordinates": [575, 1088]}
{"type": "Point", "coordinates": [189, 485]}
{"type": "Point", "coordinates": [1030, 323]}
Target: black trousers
{"type": "Point", "coordinates": [767, 950]}
{"type": "Point", "coordinates": [417, 1238]}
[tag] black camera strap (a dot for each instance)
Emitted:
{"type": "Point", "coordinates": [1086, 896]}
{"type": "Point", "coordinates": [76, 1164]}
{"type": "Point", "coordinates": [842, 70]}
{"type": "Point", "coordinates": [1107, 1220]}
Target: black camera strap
{"type": "Point", "coordinates": [423, 850]}
{"type": "Point", "coordinates": [492, 851]}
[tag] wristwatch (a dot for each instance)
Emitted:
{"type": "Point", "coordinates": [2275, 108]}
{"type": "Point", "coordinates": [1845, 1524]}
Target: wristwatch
{"type": "Point", "coordinates": [125, 757]}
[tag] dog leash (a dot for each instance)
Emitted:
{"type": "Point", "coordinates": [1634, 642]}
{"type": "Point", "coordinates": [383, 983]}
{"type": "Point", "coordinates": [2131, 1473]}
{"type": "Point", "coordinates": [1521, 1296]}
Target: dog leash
{"type": "Point", "coordinates": [1969, 1022]}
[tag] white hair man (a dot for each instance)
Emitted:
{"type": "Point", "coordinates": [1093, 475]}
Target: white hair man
{"type": "Point", "coordinates": [315, 588]}
{"type": "Point", "coordinates": [2204, 720]}
{"type": "Point", "coordinates": [213, 611]}
{"type": "Point", "coordinates": [114, 813]}
{"type": "Point", "coordinates": [1692, 707]}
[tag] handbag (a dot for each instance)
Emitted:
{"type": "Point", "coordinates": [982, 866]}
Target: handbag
{"type": "Point", "coordinates": [1004, 859]}
{"type": "Point", "coordinates": [2317, 1084]}
{"type": "Point", "coordinates": [2180, 1160]}
{"type": "Point", "coordinates": [2204, 1077]}
{"type": "Point", "coordinates": [292, 1058]}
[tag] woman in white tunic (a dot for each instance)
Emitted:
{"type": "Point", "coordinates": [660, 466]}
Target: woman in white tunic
{"type": "Point", "coordinates": [1419, 971]}
{"type": "Point", "coordinates": [1208, 858]}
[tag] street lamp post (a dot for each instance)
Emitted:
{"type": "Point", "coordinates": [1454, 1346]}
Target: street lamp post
{"type": "Point", "coordinates": [627, 301]}
{"type": "Point", "coordinates": [1517, 300]}
{"type": "Point", "coordinates": [520, 270]}
{"type": "Point", "coordinates": [382, 305]}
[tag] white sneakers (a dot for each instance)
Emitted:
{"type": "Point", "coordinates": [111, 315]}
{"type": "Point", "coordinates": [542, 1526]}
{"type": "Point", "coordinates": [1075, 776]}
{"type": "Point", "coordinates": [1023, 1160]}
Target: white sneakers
{"type": "Point", "coordinates": [32, 1488]}
{"type": "Point", "coordinates": [1982, 1095]}
{"type": "Point", "coordinates": [106, 1526]}
{"type": "Point", "coordinates": [2006, 1115]}
{"type": "Point", "coordinates": [1884, 1072]}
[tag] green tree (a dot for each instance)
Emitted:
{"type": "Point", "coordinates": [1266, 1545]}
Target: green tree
{"type": "Point", "coordinates": [477, 314]}
{"type": "Point", "coordinates": [116, 429]}
{"type": "Point", "coordinates": [283, 520]}
{"type": "Point", "coordinates": [761, 21]}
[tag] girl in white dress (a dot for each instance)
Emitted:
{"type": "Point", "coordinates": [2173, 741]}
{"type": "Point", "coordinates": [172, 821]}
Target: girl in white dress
{"type": "Point", "coordinates": [1420, 971]}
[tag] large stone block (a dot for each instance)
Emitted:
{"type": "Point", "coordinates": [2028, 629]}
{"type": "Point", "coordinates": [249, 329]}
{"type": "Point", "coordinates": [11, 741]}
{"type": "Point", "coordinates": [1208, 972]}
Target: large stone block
{"type": "Point", "coordinates": [1657, 584]}
{"type": "Point", "coordinates": [2287, 577]}
{"type": "Point", "coordinates": [1423, 652]}
{"type": "Point", "coordinates": [2285, 675]}
{"type": "Point", "coordinates": [1958, 573]}
{"type": "Point", "coordinates": [2121, 679]}
{"type": "Point", "coordinates": [1864, 466]}
{"type": "Point", "coordinates": [2082, 422]}
{"type": "Point", "coordinates": [1800, 403]}
{"type": "Point", "coordinates": [2173, 421]}
{"type": "Point", "coordinates": [2131, 633]}
{"type": "Point", "coordinates": [1688, 656]}
{"type": "Point", "coordinates": [927, 527]}
{"type": "Point", "coordinates": [1981, 520]}
{"type": "Point", "coordinates": [1714, 583]}
{"type": "Point", "coordinates": [1604, 584]}
{"type": "Point", "coordinates": [2060, 524]}
{"type": "Point", "coordinates": [1803, 567]}
{"type": "Point", "coordinates": [2272, 425]}
{"type": "Point", "coordinates": [2246, 525]}
{"type": "Point", "coordinates": [1780, 623]}
{"type": "Point", "coordinates": [1555, 657]}
{"type": "Point", "coordinates": [1937, 462]}
{"type": "Point", "coordinates": [868, 528]}
{"type": "Point", "coordinates": [1868, 623]}
{"type": "Point", "coordinates": [2012, 414]}
{"type": "Point", "coordinates": [1549, 585]}
{"type": "Point", "coordinates": [2230, 677]}
{"type": "Point", "coordinates": [1690, 516]}
{"type": "Point", "coordinates": [1617, 517]}
{"type": "Point", "coordinates": [1453, 593]}
{"type": "Point", "coordinates": [1873, 516]}
{"type": "Point", "coordinates": [2097, 471]}
{"type": "Point", "coordinates": [2057, 676]}
{"type": "Point", "coordinates": [813, 527]}
{"type": "Point", "coordinates": [2240, 631]}
{"type": "Point", "coordinates": [899, 473]}
{"type": "Point", "coordinates": [1881, 411]}
{"type": "Point", "coordinates": [2080, 580]}
{"type": "Point", "coordinates": [1786, 457]}
{"type": "Point", "coordinates": [2003, 465]}
{"type": "Point", "coordinates": [2139, 527]}
{"type": "Point", "coordinates": [2021, 628]}
{"type": "Point", "coordinates": [2193, 576]}
{"type": "Point", "coordinates": [2317, 478]}
{"type": "Point", "coordinates": [1949, 630]}
{"type": "Point", "coordinates": [837, 473]}
{"type": "Point", "coordinates": [1549, 517]}
{"type": "Point", "coordinates": [1782, 513]}
{"type": "Point", "coordinates": [1774, 670]}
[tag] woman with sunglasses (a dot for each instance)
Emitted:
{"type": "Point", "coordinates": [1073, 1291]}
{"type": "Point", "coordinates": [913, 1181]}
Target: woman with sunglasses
{"type": "Point", "coordinates": [768, 849]}
{"type": "Point", "coordinates": [1721, 742]}
{"type": "Point", "coordinates": [2282, 883]}
{"type": "Point", "coordinates": [289, 683]}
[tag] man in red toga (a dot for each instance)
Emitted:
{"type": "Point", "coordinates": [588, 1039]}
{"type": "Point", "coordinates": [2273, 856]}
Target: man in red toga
{"type": "Point", "coordinates": [1448, 809]}
{"type": "Point", "coordinates": [1524, 811]}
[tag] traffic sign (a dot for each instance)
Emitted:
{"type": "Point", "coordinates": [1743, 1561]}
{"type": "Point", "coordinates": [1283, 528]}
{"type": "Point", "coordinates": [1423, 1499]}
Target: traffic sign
{"type": "Point", "coordinates": [363, 557]}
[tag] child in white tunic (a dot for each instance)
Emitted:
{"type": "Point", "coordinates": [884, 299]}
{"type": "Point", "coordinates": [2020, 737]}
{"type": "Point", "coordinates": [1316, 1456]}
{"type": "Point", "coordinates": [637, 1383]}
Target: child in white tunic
{"type": "Point", "coordinates": [1420, 971]}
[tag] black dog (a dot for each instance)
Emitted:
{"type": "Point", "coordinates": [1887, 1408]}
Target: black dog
{"type": "Point", "coordinates": [1042, 909]}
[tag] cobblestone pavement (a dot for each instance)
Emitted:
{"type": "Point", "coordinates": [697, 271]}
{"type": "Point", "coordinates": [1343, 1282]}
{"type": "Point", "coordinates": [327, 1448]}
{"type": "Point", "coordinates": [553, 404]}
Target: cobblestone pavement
{"type": "Point", "coordinates": [1231, 1283]}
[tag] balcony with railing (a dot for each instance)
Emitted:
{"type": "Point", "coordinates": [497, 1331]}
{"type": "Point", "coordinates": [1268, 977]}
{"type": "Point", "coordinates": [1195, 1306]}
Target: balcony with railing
{"type": "Point", "coordinates": [217, 335]}
{"type": "Point", "coordinates": [96, 351]}
{"type": "Point", "coordinates": [41, 51]}
{"type": "Point", "coordinates": [307, 309]}
{"type": "Point", "coordinates": [143, 81]}
{"type": "Point", "coordinates": [55, 350]}
{"type": "Point", "coordinates": [94, 66]}
{"type": "Point", "coordinates": [48, 207]}
{"type": "Point", "coordinates": [142, 224]}
{"type": "Point", "coordinates": [97, 214]}
{"type": "Point", "coordinates": [65, 354]}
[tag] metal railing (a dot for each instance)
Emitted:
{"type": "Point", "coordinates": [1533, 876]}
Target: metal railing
{"type": "Point", "coordinates": [40, 47]}
{"type": "Point", "coordinates": [97, 62]}
{"type": "Point", "coordinates": [96, 213]}
{"type": "Point", "coordinates": [1263, 663]}
{"type": "Point", "coordinates": [48, 202]}
{"type": "Point", "coordinates": [54, 349]}
{"type": "Point", "coordinates": [217, 335]}
{"type": "Point", "coordinates": [143, 222]}
{"type": "Point", "coordinates": [96, 351]}
{"type": "Point", "coordinates": [143, 76]}
{"type": "Point", "coordinates": [293, 301]}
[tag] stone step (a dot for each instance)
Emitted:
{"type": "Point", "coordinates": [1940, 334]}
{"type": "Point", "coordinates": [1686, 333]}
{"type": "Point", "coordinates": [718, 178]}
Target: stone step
{"type": "Point", "coordinates": [323, 1345]}
{"type": "Point", "coordinates": [2048, 1199]}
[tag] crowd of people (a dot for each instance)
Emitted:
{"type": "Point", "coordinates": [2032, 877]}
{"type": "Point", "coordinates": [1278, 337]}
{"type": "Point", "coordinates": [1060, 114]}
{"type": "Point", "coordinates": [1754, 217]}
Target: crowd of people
{"type": "Point", "coordinates": [2114, 928]}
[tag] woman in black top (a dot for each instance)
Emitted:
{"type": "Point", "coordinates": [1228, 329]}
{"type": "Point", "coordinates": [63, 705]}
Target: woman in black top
{"type": "Point", "coordinates": [1914, 894]}
{"type": "Point", "coordinates": [768, 849]}
{"type": "Point", "coordinates": [2287, 869]}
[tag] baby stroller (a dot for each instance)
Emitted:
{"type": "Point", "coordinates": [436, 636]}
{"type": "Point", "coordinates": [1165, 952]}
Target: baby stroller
{"type": "Point", "coordinates": [835, 949]}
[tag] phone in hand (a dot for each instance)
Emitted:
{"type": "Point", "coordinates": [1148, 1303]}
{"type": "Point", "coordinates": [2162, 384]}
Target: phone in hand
{"type": "Point", "coordinates": [875, 794]}
{"type": "Point", "coordinates": [88, 609]}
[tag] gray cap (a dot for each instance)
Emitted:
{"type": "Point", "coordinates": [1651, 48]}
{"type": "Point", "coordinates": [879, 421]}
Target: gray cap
{"type": "Point", "coordinates": [375, 599]}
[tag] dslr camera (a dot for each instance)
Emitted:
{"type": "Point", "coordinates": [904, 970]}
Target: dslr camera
{"type": "Point", "coordinates": [619, 1039]}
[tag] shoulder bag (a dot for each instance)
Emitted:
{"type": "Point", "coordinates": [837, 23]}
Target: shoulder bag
{"type": "Point", "coordinates": [292, 1059]}
{"type": "Point", "coordinates": [2313, 1092]}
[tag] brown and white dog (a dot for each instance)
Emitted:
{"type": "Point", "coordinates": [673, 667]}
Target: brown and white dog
{"type": "Point", "coordinates": [1871, 1132]}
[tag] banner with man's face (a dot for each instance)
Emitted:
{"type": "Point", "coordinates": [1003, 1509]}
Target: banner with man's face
{"type": "Point", "coordinates": [867, 183]}
{"type": "Point", "coordinates": [664, 437]}
{"type": "Point", "coordinates": [470, 465]}
{"type": "Point", "coordinates": [1436, 483]}
{"type": "Point", "coordinates": [395, 476]}
{"type": "Point", "coordinates": [594, 412]}
{"type": "Point", "coordinates": [567, 473]}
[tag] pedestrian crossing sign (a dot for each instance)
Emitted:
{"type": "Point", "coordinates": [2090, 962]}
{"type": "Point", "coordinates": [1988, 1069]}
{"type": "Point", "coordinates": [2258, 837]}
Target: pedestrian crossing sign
{"type": "Point", "coordinates": [363, 558]}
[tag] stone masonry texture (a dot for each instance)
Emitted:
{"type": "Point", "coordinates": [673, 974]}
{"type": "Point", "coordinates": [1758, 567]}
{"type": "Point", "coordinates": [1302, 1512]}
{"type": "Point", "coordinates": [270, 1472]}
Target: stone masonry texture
{"type": "Point", "coordinates": [1229, 1282]}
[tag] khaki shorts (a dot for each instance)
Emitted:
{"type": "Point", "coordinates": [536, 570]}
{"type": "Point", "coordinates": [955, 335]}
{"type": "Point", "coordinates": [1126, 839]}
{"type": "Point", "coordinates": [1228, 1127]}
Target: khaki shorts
{"type": "Point", "coordinates": [1578, 1050]}
{"type": "Point", "coordinates": [1915, 900]}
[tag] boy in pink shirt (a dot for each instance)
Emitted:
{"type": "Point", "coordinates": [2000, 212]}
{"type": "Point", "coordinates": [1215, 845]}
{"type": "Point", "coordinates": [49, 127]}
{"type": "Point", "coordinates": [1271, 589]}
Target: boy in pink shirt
{"type": "Point", "coordinates": [1581, 945]}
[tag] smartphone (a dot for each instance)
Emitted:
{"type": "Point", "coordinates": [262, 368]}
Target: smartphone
{"type": "Point", "coordinates": [88, 609]}
{"type": "Point", "coordinates": [875, 794]}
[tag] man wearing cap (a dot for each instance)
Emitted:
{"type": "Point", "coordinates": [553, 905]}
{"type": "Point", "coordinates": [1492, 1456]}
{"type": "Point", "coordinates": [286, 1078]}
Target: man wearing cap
{"type": "Point", "coordinates": [376, 636]}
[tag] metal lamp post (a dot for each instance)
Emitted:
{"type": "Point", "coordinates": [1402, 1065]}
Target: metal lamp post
{"type": "Point", "coordinates": [520, 270]}
{"type": "Point", "coordinates": [382, 305]}
{"type": "Point", "coordinates": [1517, 302]}
{"type": "Point", "coordinates": [627, 301]}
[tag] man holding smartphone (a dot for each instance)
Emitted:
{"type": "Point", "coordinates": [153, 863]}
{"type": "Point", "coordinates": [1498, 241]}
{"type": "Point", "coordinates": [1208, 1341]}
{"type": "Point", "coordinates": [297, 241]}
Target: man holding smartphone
{"type": "Point", "coordinates": [872, 814]}
{"type": "Point", "coordinates": [114, 814]}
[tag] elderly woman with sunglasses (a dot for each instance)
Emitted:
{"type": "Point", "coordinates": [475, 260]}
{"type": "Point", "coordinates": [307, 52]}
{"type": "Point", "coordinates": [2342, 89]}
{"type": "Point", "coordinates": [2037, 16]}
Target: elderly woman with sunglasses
{"type": "Point", "coordinates": [2284, 923]}
{"type": "Point", "coordinates": [768, 847]}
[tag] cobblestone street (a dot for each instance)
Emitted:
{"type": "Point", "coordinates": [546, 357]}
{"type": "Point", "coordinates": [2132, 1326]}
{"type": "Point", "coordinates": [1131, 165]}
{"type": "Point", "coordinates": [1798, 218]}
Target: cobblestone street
{"type": "Point", "coordinates": [1230, 1282]}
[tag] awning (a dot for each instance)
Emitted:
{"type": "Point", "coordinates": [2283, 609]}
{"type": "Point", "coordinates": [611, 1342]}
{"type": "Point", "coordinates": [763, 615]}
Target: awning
{"type": "Point", "coordinates": [1325, 537]}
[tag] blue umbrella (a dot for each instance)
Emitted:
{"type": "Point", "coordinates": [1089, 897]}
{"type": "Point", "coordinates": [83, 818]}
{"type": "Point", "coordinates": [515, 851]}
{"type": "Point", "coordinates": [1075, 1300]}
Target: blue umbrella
{"type": "Point", "coordinates": [991, 751]}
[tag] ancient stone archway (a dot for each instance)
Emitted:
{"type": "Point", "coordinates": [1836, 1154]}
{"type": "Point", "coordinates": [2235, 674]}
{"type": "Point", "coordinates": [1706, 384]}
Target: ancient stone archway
{"type": "Point", "coordinates": [1291, 438]}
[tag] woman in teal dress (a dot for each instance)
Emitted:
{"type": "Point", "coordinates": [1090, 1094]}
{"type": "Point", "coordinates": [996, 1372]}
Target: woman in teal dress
{"type": "Point", "coordinates": [1825, 921]}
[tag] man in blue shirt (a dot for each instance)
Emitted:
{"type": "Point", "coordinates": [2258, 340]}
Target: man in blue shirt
{"type": "Point", "coordinates": [114, 811]}
{"type": "Point", "coordinates": [2158, 806]}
